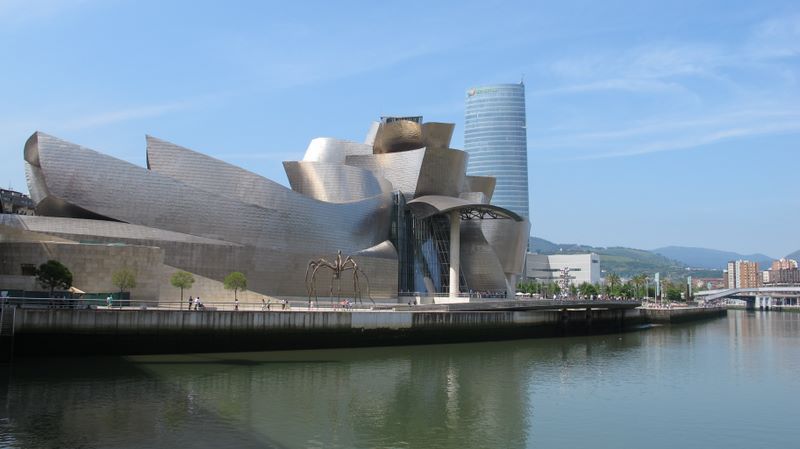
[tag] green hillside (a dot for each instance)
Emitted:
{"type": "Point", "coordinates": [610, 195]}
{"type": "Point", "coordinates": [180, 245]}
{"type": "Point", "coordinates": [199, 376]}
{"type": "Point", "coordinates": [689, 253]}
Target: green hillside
{"type": "Point", "coordinates": [626, 262]}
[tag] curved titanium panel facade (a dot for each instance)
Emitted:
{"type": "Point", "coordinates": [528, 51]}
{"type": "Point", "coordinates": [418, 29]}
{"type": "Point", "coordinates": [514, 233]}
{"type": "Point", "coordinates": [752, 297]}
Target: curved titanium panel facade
{"type": "Point", "coordinates": [328, 149]}
{"type": "Point", "coordinates": [479, 264]}
{"type": "Point", "coordinates": [387, 204]}
{"type": "Point", "coordinates": [334, 183]}
{"type": "Point", "coordinates": [483, 184]}
{"type": "Point", "coordinates": [209, 199]}
{"type": "Point", "coordinates": [509, 240]}
{"type": "Point", "coordinates": [442, 172]}
{"type": "Point", "coordinates": [398, 136]}
{"type": "Point", "coordinates": [495, 138]}
{"type": "Point", "coordinates": [400, 169]}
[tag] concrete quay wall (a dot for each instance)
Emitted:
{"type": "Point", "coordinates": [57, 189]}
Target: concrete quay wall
{"type": "Point", "coordinates": [680, 315]}
{"type": "Point", "coordinates": [56, 331]}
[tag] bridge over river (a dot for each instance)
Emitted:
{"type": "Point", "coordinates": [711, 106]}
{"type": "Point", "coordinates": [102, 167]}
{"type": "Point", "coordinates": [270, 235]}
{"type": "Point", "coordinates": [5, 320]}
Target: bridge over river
{"type": "Point", "coordinates": [758, 297]}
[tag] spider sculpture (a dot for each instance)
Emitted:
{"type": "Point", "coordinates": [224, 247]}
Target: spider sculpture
{"type": "Point", "coordinates": [338, 267]}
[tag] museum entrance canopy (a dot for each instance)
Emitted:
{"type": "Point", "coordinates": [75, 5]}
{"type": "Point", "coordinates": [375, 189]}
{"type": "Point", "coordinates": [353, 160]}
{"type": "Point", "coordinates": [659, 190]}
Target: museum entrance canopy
{"type": "Point", "coordinates": [429, 205]}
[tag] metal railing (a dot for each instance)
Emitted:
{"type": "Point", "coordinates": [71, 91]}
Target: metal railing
{"type": "Point", "coordinates": [102, 304]}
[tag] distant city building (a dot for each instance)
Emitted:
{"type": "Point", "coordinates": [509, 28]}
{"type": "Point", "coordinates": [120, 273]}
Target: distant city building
{"type": "Point", "coordinates": [784, 264]}
{"type": "Point", "coordinates": [783, 271]}
{"type": "Point", "coordinates": [743, 274]}
{"type": "Point", "coordinates": [548, 268]}
{"type": "Point", "coordinates": [709, 283]}
{"type": "Point", "coordinates": [495, 138]}
{"type": "Point", "coordinates": [12, 202]}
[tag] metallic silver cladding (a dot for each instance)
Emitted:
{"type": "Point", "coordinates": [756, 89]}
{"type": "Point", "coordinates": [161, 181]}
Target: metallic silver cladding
{"type": "Point", "coordinates": [267, 271]}
{"type": "Point", "coordinates": [328, 149]}
{"type": "Point", "coordinates": [474, 197]}
{"type": "Point", "coordinates": [292, 231]}
{"type": "Point", "coordinates": [371, 133]}
{"type": "Point", "coordinates": [36, 185]}
{"type": "Point", "coordinates": [352, 226]}
{"type": "Point", "coordinates": [509, 240]}
{"type": "Point", "coordinates": [479, 264]}
{"type": "Point", "coordinates": [437, 135]}
{"type": "Point", "coordinates": [79, 229]}
{"type": "Point", "coordinates": [398, 136]}
{"type": "Point", "coordinates": [485, 184]}
{"type": "Point", "coordinates": [400, 169]}
{"type": "Point", "coordinates": [442, 172]}
{"type": "Point", "coordinates": [424, 171]}
{"type": "Point", "coordinates": [334, 183]}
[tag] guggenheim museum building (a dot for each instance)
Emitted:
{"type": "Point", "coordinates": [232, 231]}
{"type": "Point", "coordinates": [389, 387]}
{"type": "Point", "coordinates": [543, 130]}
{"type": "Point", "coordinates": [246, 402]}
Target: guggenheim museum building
{"type": "Point", "coordinates": [400, 204]}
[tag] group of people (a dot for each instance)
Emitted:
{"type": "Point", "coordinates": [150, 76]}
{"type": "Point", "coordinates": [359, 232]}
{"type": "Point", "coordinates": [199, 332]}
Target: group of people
{"type": "Point", "coordinates": [196, 303]}
{"type": "Point", "coordinates": [267, 304]}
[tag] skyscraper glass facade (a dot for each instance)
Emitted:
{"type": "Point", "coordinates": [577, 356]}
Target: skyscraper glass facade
{"type": "Point", "coordinates": [495, 138]}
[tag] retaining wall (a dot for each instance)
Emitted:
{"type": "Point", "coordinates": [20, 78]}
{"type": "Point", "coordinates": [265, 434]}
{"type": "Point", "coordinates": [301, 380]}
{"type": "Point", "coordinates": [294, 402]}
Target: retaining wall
{"type": "Point", "coordinates": [55, 331]}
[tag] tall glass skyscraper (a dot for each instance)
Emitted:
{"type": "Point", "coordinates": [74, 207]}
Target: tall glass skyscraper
{"type": "Point", "coordinates": [495, 138]}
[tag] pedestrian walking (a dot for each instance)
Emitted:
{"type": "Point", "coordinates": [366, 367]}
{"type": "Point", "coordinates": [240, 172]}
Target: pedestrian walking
{"type": "Point", "coordinates": [190, 303]}
{"type": "Point", "coordinates": [196, 303]}
{"type": "Point", "coordinates": [236, 305]}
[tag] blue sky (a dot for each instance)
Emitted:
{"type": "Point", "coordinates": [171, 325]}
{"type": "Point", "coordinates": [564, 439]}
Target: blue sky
{"type": "Point", "coordinates": [668, 123]}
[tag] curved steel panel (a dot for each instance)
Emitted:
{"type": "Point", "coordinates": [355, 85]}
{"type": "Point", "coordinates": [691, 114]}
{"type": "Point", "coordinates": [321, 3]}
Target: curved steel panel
{"type": "Point", "coordinates": [437, 135]}
{"type": "Point", "coordinates": [328, 149]}
{"type": "Point", "coordinates": [400, 169]}
{"type": "Point", "coordinates": [333, 182]}
{"type": "Point", "coordinates": [371, 133]}
{"type": "Point", "coordinates": [484, 184]}
{"type": "Point", "coordinates": [36, 185]}
{"type": "Point", "coordinates": [384, 250]}
{"type": "Point", "coordinates": [509, 240]}
{"type": "Point", "coordinates": [479, 263]}
{"type": "Point", "coordinates": [398, 136]}
{"type": "Point", "coordinates": [209, 198]}
{"type": "Point", "coordinates": [442, 172]}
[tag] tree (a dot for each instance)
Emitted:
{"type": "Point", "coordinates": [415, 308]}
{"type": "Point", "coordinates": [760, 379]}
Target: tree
{"type": "Point", "coordinates": [613, 281]}
{"type": "Point", "coordinates": [673, 293]}
{"type": "Point", "coordinates": [124, 279]}
{"type": "Point", "coordinates": [182, 280]}
{"type": "Point", "coordinates": [235, 281]}
{"type": "Point", "coordinates": [587, 290]}
{"type": "Point", "coordinates": [639, 281]}
{"type": "Point", "coordinates": [573, 290]}
{"type": "Point", "coordinates": [626, 291]}
{"type": "Point", "coordinates": [52, 274]}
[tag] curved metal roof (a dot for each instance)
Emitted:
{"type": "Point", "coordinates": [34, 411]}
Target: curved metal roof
{"type": "Point", "coordinates": [428, 205]}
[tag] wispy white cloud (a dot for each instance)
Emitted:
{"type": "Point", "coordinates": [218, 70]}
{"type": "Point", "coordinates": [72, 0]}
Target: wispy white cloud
{"type": "Point", "coordinates": [694, 141]}
{"type": "Point", "coordinates": [619, 84]}
{"type": "Point", "coordinates": [19, 12]}
{"type": "Point", "coordinates": [776, 38]}
{"type": "Point", "coordinates": [724, 104]}
{"type": "Point", "coordinates": [124, 115]}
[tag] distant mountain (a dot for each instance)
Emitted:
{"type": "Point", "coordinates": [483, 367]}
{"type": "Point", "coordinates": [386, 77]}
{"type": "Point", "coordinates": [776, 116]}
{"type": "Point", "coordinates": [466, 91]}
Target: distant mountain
{"type": "Point", "coordinates": [795, 255]}
{"type": "Point", "coordinates": [711, 259]}
{"type": "Point", "coordinates": [625, 262]}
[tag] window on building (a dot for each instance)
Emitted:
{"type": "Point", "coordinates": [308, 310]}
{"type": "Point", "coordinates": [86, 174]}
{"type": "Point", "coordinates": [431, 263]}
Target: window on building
{"type": "Point", "coordinates": [28, 269]}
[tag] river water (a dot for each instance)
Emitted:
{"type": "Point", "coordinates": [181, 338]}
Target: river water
{"type": "Point", "coordinates": [726, 383]}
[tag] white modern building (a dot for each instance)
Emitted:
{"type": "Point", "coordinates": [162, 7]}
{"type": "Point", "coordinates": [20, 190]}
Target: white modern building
{"type": "Point", "coordinates": [548, 268]}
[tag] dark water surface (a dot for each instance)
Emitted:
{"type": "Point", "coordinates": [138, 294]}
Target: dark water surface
{"type": "Point", "coordinates": [727, 383]}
